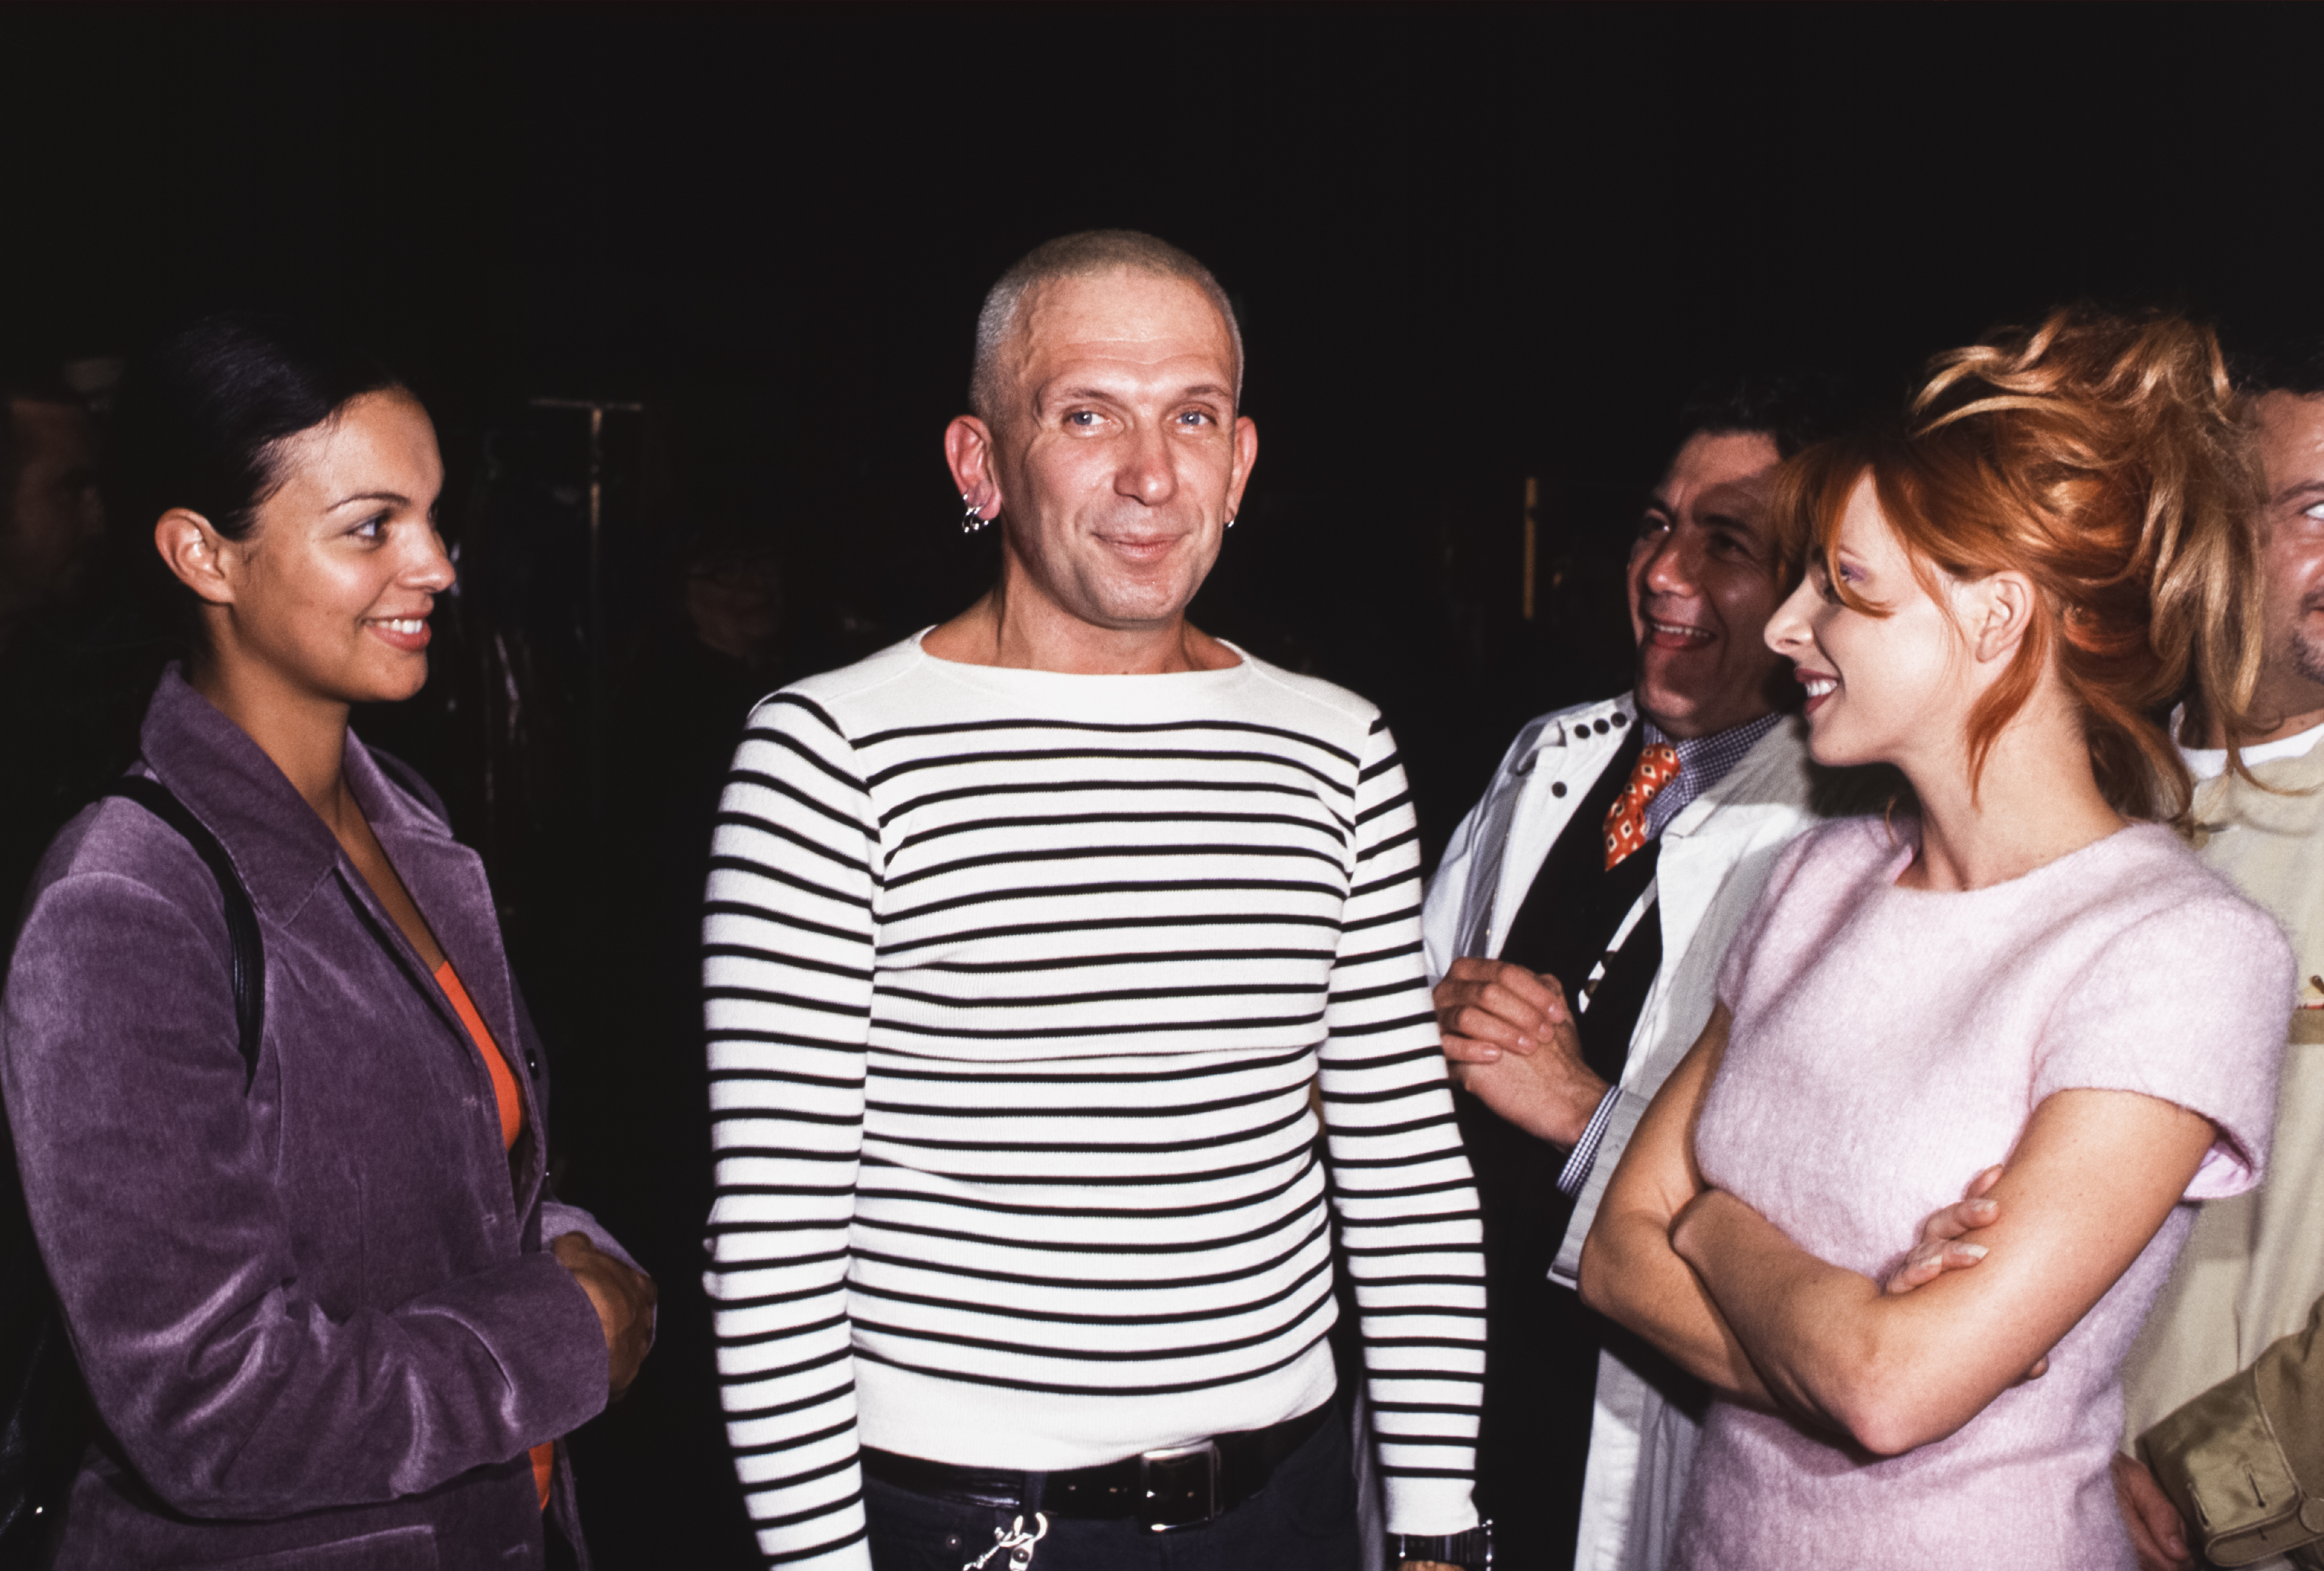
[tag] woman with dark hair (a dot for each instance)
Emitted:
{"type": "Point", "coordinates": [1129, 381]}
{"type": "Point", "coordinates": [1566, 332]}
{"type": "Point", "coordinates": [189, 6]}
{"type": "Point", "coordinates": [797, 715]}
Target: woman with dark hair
{"type": "Point", "coordinates": [327, 1310]}
{"type": "Point", "coordinates": [2030, 972]}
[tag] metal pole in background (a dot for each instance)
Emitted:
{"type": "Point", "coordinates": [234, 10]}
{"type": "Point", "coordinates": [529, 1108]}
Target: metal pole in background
{"type": "Point", "coordinates": [1532, 543]}
{"type": "Point", "coordinates": [595, 609]}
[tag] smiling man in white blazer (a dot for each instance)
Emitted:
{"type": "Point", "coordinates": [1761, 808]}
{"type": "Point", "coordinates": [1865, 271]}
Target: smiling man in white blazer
{"type": "Point", "coordinates": [1574, 931]}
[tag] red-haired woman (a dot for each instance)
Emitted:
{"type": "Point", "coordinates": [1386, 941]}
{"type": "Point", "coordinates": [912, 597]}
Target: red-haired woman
{"type": "Point", "coordinates": [2029, 971]}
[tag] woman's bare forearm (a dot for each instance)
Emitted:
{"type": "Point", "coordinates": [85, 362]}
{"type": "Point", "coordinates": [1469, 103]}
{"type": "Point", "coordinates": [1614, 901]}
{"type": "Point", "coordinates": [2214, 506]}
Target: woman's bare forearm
{"type": "Point", "coordinates": [1629, 1270]}
{"type": "Point", "coordinates": [1806, 1328]}
{"type": "Point", "coordinates": [1630, 1274]}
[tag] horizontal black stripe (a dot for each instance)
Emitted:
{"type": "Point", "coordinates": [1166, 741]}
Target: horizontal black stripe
{"type": "Point", "coordinates": [784, 788]}
{"type": "Point", "coordinates": [789, 698]}
{"type": "Point", "coordinates": [987, 897]}
{"type": "Point", "coordinates": [1106, 1147]}
{"type": "Point", "coordinates": [750, 1415]}
{"type": "Point", "coordinates": [783, 1000]}
{"type": "Point", "coordinates": [1082, 1180]}
{"type": "Point", "coordinates": [1252, 1023]}
{"type": "Point", "coordinates": [1307, 1240]}
{"type": "Point", "coordinates": [1149, 1388]}
{"type": "Point", "coordinates": [744, 951]}
{"type": "Point", "coordinates": [1175, 956]}
{"type": "Point", "coordinates": [892, 1066]}
{"type": "Point", "coordinates": [1100, 1113]}
{"type": "Point", "coordinates": [866, 1325]}
{"type": "Point", "coordinates": [808, 1515]}
{"type": "Point", "coordinates": [1113, 727]}
{"type": "Point", "coordinates": [814, 759]}
{"type": "Point", "coordinates": [1204, 919]}
{"type": "Point", "coordinates": [773, 830]}
{"type": "Point", "coordinates": [1310, 1216]}
{"type": "Point", "coordinates": [788, 919]}
{"type": "Point", "coordinates": [1126, 995]}
{"type": "Point", "coordinates": [733, 864]}
{"type": "Point", "coordinates": [1037, 759]}
{"type": "Point", "coordinates": [793, 1480]}
{"type": "Point", "coordinates": [1143, 1210]}
{"type": "Point", "coordinates": [1085, 820]}
{"type": "Point", "coordinates": [1088, 853]}
{"type": "Point", "coordinates": [1048, 788]}
{"type": "Point", "coordinates": [1084, 1317]}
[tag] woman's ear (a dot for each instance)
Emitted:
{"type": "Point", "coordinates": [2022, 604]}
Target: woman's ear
{"type": "Point", "coordinates": [194, 552]}
{"type": "Point", "coordinates": [2006, 605]}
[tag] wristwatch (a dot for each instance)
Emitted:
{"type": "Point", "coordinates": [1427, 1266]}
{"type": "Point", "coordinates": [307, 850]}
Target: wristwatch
{"type": "Point", "coordinates": [1472, 1550]}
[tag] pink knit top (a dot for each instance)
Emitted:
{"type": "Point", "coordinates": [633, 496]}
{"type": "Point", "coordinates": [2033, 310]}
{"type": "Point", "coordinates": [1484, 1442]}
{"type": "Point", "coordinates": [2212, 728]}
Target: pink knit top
{"type": "Point", "coordinates": [1888, 1044]}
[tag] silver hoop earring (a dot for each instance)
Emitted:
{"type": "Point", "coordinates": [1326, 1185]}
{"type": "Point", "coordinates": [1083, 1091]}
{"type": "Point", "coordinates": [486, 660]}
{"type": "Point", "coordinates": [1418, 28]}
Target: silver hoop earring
{"type": "Point", "coordinates": [974, 519]}
{"type": "Point", "coordinates": [1230, 523]}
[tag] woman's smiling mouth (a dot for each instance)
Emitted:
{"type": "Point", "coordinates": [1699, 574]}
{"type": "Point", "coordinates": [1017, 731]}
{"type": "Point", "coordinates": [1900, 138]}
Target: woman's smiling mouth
{"type": "Point", "coordinates": [408, 633]}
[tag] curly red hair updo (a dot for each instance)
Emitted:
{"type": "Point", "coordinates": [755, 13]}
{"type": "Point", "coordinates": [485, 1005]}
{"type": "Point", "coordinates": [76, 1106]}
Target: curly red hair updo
{"type": "Point", "coordinates": [2106, 457]}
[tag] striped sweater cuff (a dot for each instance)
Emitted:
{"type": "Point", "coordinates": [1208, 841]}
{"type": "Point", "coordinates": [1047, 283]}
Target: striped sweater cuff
{"type": "Point", "coordinates": [1428, 1507]}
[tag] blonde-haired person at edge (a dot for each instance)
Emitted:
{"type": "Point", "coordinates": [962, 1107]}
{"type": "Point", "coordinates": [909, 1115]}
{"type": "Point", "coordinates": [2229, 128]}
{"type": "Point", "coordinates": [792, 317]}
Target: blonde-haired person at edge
{"type": "Point", "coordinates": [2020, 971]}
{"type": "Point", "coordinates": [2221, 1387]}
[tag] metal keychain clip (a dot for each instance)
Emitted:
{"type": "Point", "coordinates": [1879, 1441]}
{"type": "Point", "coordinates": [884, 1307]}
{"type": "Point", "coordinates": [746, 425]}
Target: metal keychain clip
{"type": "Point", "coordinates": [1015, 1540]}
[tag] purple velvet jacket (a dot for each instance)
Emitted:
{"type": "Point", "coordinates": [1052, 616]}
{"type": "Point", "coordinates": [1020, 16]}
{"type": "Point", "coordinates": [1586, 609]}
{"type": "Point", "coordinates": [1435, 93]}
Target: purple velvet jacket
{"type": "Point", "coordinates": [315, 1314]}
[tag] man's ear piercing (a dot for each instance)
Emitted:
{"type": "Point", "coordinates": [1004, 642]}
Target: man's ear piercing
{"type": "Point", "coordinates": [974, 519]}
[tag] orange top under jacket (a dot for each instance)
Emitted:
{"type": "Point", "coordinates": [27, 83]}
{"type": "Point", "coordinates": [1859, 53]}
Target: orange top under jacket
{"type": "Point", "coordinates": [512, 1107]}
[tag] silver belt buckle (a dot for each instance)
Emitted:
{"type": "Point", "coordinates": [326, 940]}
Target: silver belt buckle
{"type": "Point", "coordinates": [1178, 1487]}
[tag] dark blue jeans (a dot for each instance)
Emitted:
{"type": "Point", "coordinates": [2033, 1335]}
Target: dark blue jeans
{"type": "Point", "coordinates": [1304, 1520]}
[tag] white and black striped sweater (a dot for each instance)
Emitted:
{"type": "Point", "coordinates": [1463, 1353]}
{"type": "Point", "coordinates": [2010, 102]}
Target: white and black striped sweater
{"type": "Point", "coordinates": [1016, 983]}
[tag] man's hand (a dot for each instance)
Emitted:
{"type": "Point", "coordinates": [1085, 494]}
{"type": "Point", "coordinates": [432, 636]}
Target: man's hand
{"type": "Point", "coordinates": [623, 1300]}
{"type": "Point", "coordinates": [1941, 1249]}
{"type": "Point", "coordinates": [1509, 1039]}
{"type": "Point", "coordinates": [2157, 1533]}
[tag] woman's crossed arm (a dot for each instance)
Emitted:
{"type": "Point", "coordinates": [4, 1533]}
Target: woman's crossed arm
{"type": "Point", "coordinates": [1726, 1295]}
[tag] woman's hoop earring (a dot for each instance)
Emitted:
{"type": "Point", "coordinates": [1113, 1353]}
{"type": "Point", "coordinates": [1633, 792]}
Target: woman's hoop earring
{"type": "Point", "coordinates": [1230, 523]}
{"type": "Point", "coordinates": [974, 519]}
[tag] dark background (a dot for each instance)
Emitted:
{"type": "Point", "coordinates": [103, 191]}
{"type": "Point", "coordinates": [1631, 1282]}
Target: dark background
{"type": "Point", "coordinates": [1468, 246]}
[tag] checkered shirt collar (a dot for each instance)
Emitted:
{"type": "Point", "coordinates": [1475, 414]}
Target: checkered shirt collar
{"type": "Point", "coordinates": [1704, 762]}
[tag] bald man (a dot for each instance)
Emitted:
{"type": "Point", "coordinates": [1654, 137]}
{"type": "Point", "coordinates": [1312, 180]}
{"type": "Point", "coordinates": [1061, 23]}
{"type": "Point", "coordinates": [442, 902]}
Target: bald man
{"type": "Point", "coordinates": [1026, 939]}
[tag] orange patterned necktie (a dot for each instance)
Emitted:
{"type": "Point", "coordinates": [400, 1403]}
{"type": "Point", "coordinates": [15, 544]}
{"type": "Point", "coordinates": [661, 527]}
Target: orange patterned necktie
{"type": "Point", "coordinates": [1626, 820]}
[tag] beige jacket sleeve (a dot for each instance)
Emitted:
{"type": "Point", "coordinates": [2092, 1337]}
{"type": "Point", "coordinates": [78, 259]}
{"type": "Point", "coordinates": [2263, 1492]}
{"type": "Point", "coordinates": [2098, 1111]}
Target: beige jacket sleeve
{"type": "Point", "coordinates": [2243, 1462]}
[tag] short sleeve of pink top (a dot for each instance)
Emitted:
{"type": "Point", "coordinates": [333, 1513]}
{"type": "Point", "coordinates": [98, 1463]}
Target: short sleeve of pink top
{"type": "Point", "coordinates": [1888, 1044]}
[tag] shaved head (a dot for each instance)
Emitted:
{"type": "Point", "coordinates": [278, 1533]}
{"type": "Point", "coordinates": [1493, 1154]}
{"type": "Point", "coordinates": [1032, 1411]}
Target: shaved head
{"type": "Point", "coordinates": [1088, 255]}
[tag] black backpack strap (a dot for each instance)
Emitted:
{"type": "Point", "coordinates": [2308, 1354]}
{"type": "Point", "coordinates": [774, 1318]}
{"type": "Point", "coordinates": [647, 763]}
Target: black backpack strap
{"type": "Point", "coordinates": [243, 937]}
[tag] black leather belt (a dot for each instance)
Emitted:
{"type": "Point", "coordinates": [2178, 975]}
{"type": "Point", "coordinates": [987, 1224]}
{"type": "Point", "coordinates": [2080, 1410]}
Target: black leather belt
{"type": "Point", "coordinates": [1183, 1487]}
